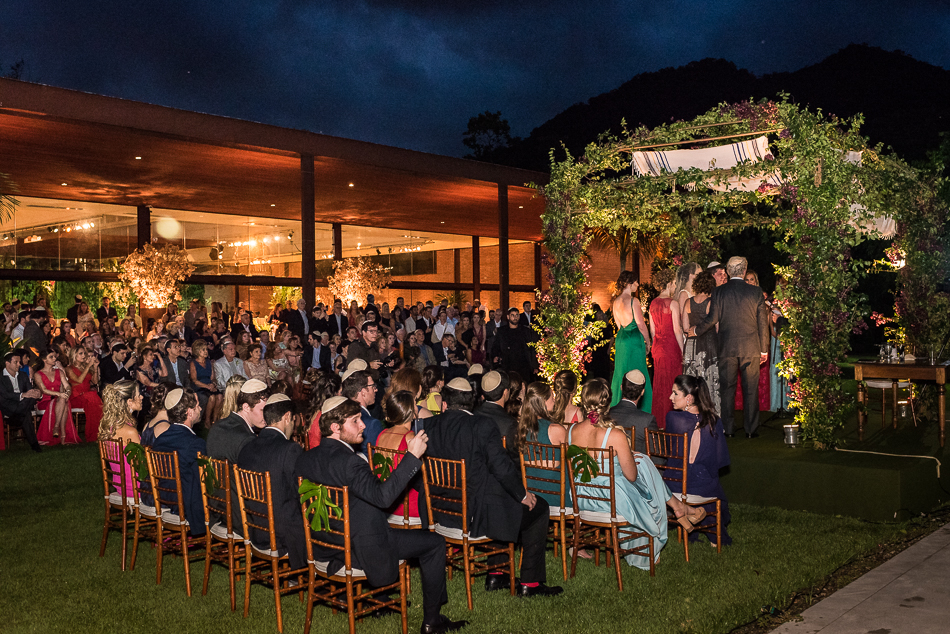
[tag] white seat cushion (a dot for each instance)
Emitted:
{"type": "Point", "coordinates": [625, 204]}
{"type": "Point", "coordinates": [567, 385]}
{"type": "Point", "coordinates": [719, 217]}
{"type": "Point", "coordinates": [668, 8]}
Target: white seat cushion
{"type": "Point", "coordinates": [697, 499]}
{"type": "Point", "coordinates": [78, 410]}
{"type": "Point", "coordinates": [172, 518]}
{"type": "Point", "coordinates": [116, 499]}
{"type": "Point", "coordinates": [147, 511]}
{"type": "Point", "coordinates": [265, 551]}
{"type": "Point", "coordinates": [456, 533]}
{"type": "Point", "coordinates": [322, 566]}
{"type": "Point", "coordinates": [555, 511]}
{"type": "Point", "coordinates": [398, 520]}
{"type": "Point", "coordinates": [601, 518]}
{"type": "Point", "coordinates": [220, 531]}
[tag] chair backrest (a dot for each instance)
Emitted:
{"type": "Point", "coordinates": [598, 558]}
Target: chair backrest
{"type": "Point", "coordinates": [396, 456]}
{"type": "Point", "coordinates": [114, 468]}
{"type": "Point", "coordinates": [257, 507]}
{"type": "Point", "coordinates": [299, 434]}
{"type": "Point", "coordinates": [165, 477]}
{"type": "Point", "coordinates": [445, 488]}
{"type": "Point", "coordinates": [673, 447]}
{"type": "Point", "coordinates": [339, 527]}
{"type": "Point", "coordinates": [595, 491]}
{"type": "Point", "coordinates": [546, 458]}
{"type": "Point", "coordinates": [219, 500]}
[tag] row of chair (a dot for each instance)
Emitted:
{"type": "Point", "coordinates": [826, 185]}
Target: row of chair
{"type": "Point", "coordinates": [7, 436]}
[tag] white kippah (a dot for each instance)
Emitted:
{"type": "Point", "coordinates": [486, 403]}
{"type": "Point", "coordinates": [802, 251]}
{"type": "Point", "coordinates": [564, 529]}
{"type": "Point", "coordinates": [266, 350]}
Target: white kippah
{"type": "Point", "coordinates": [276, 398]}
{"type": "Point", "coordinates": [460, 384]}
{"type": "Point", "coordinates": [476, 369]}
{"type": "Point", "coordinates": [252, 386]}
{"type": "Point", "coordinates": [357, 364]}
{"type": "Point", "coordinates": [173, 398]}
{"type": "Point", "coordinates": [636, 377]}
{"type": "Point", "coordinates": [713, 264]}
{"type": "Point", "coordinates": [348, 374]}
{"type": "Point", "coordinates": [490, 381]}
{"type": "Point", "coordinates": [332, 403]}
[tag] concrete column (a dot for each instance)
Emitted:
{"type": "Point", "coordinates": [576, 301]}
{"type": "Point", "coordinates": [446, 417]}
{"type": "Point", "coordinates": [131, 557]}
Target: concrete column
{"type": "Point", "coordinates": [476, 270]}
{"type": "Point", "coordinates": [503, 247]}
{"type": "Point", "coordinates": [144, 225]}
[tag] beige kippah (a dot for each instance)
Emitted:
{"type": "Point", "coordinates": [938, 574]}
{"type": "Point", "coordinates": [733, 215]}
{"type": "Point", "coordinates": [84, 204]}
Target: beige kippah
{"type": "Point", "coordinates": [476, 369]}
{"type": "Point", "coordinates": [332, 403]}
{"type": "Point", "coordinates": [357, 364]}
{"type": "Point", "coordinates": [276, 398]}
{"type": "Point", "coordinates": [490, 381]}
{"type": "Point", "coordinates": [253, 385]}
{"type": "Point", "coordinates": [173, 398]}
{"type": "Point", "coordinates": [348, 374]}
{"type": "Point", "coordinates": [460, 384]}
{"type": "Point", "coordinates": [636, 377]}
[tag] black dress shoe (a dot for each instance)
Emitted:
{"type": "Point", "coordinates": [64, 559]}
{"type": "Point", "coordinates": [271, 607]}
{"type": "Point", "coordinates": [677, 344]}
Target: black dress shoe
{"type": "Point", "coordinates": [443, 625]}
{"type": "Point", "coordinates": [539, 590]}
{"type": "Point", "coordinates": [730, 435]}
{"type": "Point", "coordinates": [36, 448]}
{"type": "Point", "coordinates": [498, 582]}
{"type": "Point", "coordinates": [754, 434]}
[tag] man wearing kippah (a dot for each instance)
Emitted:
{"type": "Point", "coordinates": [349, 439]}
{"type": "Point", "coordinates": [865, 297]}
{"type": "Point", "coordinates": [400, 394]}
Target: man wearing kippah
{"type": "Point", "coordinates": [228, 436]}
{"type": "Point", "coordinates": [627, 413]}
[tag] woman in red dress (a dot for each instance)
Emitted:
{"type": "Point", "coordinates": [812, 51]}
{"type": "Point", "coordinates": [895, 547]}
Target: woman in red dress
{"type": "Point", "coordinates": [400, 408]}
{"type": "Point", "coordinates": [667, 343]}
{"type": "Point", "coordinates": [57, 423]}
{"type": "Point", "coordinates": [83, 373]}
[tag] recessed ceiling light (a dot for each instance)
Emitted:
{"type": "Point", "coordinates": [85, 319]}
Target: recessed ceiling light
{"type": "Point", "coordinates": [520, 206]}
{"type": "Point", "coordinates": [138, 158]}
{"type": "Point", "coordinates": [351, 184]}
{"type": "Point", "coordinates": [272, 205]}
{"type": "Point", "coordinates": [64, 184]}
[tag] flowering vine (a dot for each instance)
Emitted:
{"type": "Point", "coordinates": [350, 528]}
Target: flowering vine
{"type": "Point", "coordinates": [154, 274]}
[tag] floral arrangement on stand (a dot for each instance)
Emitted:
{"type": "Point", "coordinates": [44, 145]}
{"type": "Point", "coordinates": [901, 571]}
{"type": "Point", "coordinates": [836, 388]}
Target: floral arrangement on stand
{"type": "Point", "coordinates": [154, 274]}
{"type": "Point", "coordinates": [355, 278]}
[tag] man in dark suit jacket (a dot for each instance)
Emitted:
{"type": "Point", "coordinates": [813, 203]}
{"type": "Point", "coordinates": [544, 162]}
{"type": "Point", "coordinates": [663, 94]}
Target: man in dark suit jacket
{"type": "Point", "coordinates": [34, 339]}
{"type": "Point", "coordinates": [72, 313]}
{"type": "Point", "coordinates": [527, 317]}
{"type": "Point", "coordinates": [116, 366]}
{"type": "Point", "coordinates": [743, 319]}
{"type": "Point", "coordinates": [105, 311]}
{"type": "Point", "coordinates": [228, 436]}
{"type": "Point", "coordinates": [627, 413]}
{"type": "Point", "coordinates": [244, 325]}
{"type": "Point", "coordinates": [450, 357]}
{"type": "Point", "coordinates": [377, 548]}
{"type": "Point", "coordinates": [17, 398]}
{"type": "Point", "coordinates": [183, 413]}
{"type": "Point", "coordinates": [498, 503]}
{"type": "Point", "coordinates": [298, 319]}
{"type": "Point", "coordinates": [495, 386]}
{"type": "Point", "coordinates": [314, 349]}
{"type": "Point", "coordinates": [337, 323]}
{"type": "Point", "coordinates": [273, 451]}
{"type": "Point", "coordinates": [359, 386]}
{"type": "Point", "coordinates": [175, 364]}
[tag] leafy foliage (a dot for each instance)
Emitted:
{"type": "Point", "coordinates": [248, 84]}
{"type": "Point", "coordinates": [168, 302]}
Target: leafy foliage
{"type": "Point", "coordinates": [355, 278]}
{"type": "Point", "coordinates": [135, 453]}
{"type": "Point", "coordinates": [582, 465]}
{"type": "Point", "coordinates": [154, 274]}
{"type": "Point", "coordinates": [487, 133]}
{"type": "Point", "coordinates": [210, 479]}
{"type": "Point", "coordinates": [382, 466]}
{"type": "Point", "coordinates": [320, 507]}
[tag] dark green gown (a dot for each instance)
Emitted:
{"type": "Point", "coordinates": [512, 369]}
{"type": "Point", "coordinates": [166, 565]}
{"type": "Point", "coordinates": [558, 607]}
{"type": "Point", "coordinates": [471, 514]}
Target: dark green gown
{"type": "Point", "coordinates": [630, 353]}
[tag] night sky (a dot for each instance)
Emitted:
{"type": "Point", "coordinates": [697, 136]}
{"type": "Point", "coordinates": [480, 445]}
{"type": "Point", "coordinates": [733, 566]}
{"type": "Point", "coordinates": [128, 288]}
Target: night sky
{"type": "Point", "coordinates": [410, 73]}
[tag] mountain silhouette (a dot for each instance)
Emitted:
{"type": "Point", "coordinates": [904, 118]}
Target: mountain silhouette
{"type": "Point", "coordinates": [905, 102]}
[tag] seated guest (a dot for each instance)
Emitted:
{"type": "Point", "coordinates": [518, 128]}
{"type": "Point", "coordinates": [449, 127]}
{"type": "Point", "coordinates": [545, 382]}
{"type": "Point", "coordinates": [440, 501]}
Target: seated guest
{"type": "Point", "coordinates": [495, 389]}
{"type": "Point", "coordinates": [202, 376]}
{"type": "Point", "coordinates": [83, 373]}
{"type": "Point", "coordinates": [175, 364]}
{"type": "Point", "coordinates": [316, 355]}
{"type": "Point", "coordinates": [325, 385]}
{"type": "Point", "coordinates": [400, 408]}
{"type": "Point", "coordinates": [255, 367]}
{"type": "Point", "coordinates": [451, 357]}
{"type": "Point", "coordinates": [359, 386]}
{"type": "Point", "coordinates": [231, 390]}
{"type": "Point", "coordinates": [273, 452]}
{"type": "Point", "coordinates": [183, 412]}
{"type": "Point", "coordinates": [642, 496]}
{"type": "Point", "coordinates": [228, 365]}
{"type": "Point", "coordinates": [627, 413]}
{"type": "Point", "coordinates": [228, 436]}
{"type": "Point", "coordinates": [117, 366]}
{"type": "Point", "coordinates": [376, 547]}
{"type": "Point", "coordinates": [565, 389]}
{"type": "Point", "coordinates": [17, 398]}
{"type": "Point", "coordinates": [535, 426]}
{"type": "Point", "coordinates": [498, 503]}
{"type": "Point", "coordinates": [244, 325]}
{"type": "Point", "coordinates": [157, 418]}
{"type": "Point", "coordinates": [122, 401]}
{"type": "Point", "coordinates": [695, 415]}
{"type": "Point", "coordinates": [433, 380]}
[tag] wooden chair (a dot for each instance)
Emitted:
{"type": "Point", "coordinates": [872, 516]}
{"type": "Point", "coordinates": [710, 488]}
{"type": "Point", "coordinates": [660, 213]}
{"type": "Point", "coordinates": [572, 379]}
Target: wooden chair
{"type": "Point", "coordinates": [550, 459]}
{"type": "Point", "coordinates": [116, 480]}
{"type": "Point", "coordinates": [447, 495]}
{"type": "Point", "coordinates": [607, 530]}
{"type": "Point", "coordinates": [404, 520]}
{"type": "Point", "coordinates": [146, 516]}
{"type": "Point", "coordinates": [324, 585]}
{"type": "Point", "coordinates": [221, 541]}
{"type": "Point", "coordinates": [165, 476]}
{"type": "Point", "coordinates": [257, 515]}
{"type": "Point", "coordinates": [891, 385]}
{"type": "Point", "coordinates": [675, 448]}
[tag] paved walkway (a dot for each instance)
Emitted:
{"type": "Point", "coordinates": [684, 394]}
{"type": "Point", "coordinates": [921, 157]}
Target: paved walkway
{"type": "Point", "coordinates": [908, 593]}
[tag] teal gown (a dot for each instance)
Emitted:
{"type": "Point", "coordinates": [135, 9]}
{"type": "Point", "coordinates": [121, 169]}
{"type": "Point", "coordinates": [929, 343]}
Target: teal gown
{"type": "Point", "coordinates": [553, 491]}
{"type": "Point", "coordinates": [630, 353]}
{"type": "Point", "coordinates": [641, 503]}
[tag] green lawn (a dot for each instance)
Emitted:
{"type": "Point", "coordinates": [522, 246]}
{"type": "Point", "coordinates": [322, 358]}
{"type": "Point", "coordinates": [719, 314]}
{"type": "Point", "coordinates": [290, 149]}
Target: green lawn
{"type": "Point", "coordinates": [53, 580]}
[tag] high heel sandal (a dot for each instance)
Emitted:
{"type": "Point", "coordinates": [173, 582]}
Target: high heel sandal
{"type": "Point", "coordinates": [689, 522]}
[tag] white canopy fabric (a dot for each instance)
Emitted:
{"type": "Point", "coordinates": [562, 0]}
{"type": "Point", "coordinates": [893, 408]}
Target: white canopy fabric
{"type": "Point", "coordinates": [884, 226]}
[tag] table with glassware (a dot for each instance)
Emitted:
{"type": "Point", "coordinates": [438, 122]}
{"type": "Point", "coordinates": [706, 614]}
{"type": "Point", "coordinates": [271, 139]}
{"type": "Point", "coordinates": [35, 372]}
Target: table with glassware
{"type": "Point", "coordinates": [916, 370]}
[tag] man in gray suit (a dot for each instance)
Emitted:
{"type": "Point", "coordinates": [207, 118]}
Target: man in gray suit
{"type": "Point", "coordinates": [627, 413]}
{"type": "Point", "coordinates": [743, 319]}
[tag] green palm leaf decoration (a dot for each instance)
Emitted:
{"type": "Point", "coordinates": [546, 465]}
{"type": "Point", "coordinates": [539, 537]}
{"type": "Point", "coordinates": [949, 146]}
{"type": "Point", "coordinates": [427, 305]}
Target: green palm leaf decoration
{"type": "Point", "coordinates": [582, 464]}
{"type": "Point", "coordinates": [382, 466]}
{"type": "Point", "coordinates": [320, 505]}
{"type": "Point", "coordinates": [135, 453]}
{"type": "Point", "coordinates": [210, 479]}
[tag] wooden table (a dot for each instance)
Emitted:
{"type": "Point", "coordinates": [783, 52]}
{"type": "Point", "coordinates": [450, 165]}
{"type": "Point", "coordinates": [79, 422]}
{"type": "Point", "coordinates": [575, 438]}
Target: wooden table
{"type": "Point", "coordinates": [912, 370]}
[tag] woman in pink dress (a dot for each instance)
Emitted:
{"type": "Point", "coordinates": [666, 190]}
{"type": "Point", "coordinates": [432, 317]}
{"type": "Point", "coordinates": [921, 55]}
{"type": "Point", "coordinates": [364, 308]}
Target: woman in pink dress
{"type": "Point", "coordinates": [667, 337]}
{"type": "Point", "coordinates": [83, 373]}
{"type": "Point", "coordinates": [57, 423]}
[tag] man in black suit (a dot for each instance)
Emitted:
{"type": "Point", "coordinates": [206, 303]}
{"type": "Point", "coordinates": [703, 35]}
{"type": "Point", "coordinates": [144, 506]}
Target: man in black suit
{"type": "Point", "coordinates": [627, 412]}
{"type": "Point", "coordinates": [183, 412]}
{"type": "Point", "coordinates": [244, 325]}
{"type": "Point", "coordinates": [228, 436]}
{"type": "Point", "coordinates": [175, 364]}
{"type": "Point", "coordinates": [319, 319]}
{"type": "Point", "coordinates": [298, 319]}
{"type": "Point", "coordinates": [17, 398]}
{"type": "Point", "coordinates": [315, 354]}
{"type": "Point", "coordinates": [377, 548]}
{"type": "Point", "coordinates": [117, 366]}
{"type": "Point", "coordinates": [337, 322]}
{"type": "Point", "coordinates": [510, 349]}
{"type": "Point", "coordinates": [743, 319]}
{"type": "Point", "coordinates": [105, 311]}
{"type": "Point", "coordinates": [273, 452]}
{"type": "Point", "coordinates": [495, 386]}
{"type": "Point", "coordinates": [450, 357]}
{"type": "Point", "coordinates": [34, 339]}
{"type": "Point", "coordinates": [527, 317]}
{"type": "Point", "coordinates": [425, 324]}
{"type": "Point", "coordinates": [498, 503]}
{"type": "Point", "coordinates": [72, 313]}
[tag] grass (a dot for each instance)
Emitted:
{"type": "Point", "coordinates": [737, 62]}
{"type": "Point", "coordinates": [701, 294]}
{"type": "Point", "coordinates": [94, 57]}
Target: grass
{"type": "Point", "coordinates": [53, 580]}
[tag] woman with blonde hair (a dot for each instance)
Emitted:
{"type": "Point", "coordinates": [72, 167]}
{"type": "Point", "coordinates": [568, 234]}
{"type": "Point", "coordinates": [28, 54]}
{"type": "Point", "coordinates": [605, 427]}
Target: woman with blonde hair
{"type": "Point", "coordinates": [203, 378]}
{"type": "Point", "coordinates": [641, 494]}
{"type": "Point", "coordinates": [632, 344]}
{"type": "Point", "coordinates": [121, 402]}
{"type": "Point", "coordinates": [83, 373]}
{"type": "Point", "coordinates": [232, 389]}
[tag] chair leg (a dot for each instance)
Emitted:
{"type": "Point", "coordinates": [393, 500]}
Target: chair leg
{"type": "Point", "coordinates": [247, 579]}
{"type": "Point", "coordinates": [135, 539]}
{"type": "Point", "coordinates": [685, 542]}
{"type": "Point", "coordinates": [161, 552]}
{"type": "Point", "coordinates": [275, 565]}
{"type": "Point", "coordinates": [105, 529]}
{"type": "Point", "coordinates": [125, 534]}
{"type": "Point", "coordinates": [311, 583]}
{"type": "Point", "coordinates": [468, 571]}
{"type": "Point", "coordinates": [511, 567]}
{"type": "Point", "coordinates": [403, 590]}
{"type": "Point", "coordinates": [350, 608]}
{"type": "Point", "coordinates": [575, 539]}
{"type": "Point", "coordinates": [615, 546]}
{"type": "Point", "coordinates": [562, 524]}
{"type": "Point", "coordinates": [204, 586]}
{"type": "Point", "coordinates": [184, 554]}
{"type": "Point", "coordinates": [232, 574]}
{"type": "Point", "coordinates": [718, 526]}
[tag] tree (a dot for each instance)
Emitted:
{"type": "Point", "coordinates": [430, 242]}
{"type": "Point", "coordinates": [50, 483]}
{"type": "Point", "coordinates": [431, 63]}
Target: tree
{"type": "Point", "coordinates": [625, 241]}
{"type": "Point", "coordinates": [487, 133]}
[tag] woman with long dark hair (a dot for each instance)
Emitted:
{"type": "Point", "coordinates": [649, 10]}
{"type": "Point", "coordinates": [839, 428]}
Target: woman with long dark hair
{"type": "Point", "coordinates": [695, 416]}
{"type": "Point", "coordinates": [565, 412]}
{"type": "Point", "coordinates": [666, 326]}
{"type": "Point", "coordinates": [400, 410]}
{"type": "Point", "coordinates": [632, 343]}
{"type": "Point", "coordinates": [325, 385]}
{"type": "Point", "coordinates": [535, 425]}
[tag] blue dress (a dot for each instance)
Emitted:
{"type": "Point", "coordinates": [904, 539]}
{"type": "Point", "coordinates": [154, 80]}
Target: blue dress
{"type": "Point", "coordinates": [777, 384]}
{"type": "Point", "coordinates": [702, 475]}
{"type": "Point", "coordinates": [641, 503]}
{"type": "Point", "coordinates": [554, 497]}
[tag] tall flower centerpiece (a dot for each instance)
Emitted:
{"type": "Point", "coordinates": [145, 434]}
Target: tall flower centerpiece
{"type": "Point", "coordinates": [154, 274]}
{"type": "Point", "coordinates": [355, 278]}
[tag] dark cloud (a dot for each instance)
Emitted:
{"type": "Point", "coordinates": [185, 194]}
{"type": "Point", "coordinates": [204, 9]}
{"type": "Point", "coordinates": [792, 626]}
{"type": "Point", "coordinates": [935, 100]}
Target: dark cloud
{"type": "Point", "coordinates": [410, 73]}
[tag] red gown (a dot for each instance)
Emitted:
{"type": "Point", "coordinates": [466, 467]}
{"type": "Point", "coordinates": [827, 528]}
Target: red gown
{"type": "Point", "coordinates": [45, 433]}
{"type": "Point", "coordinates": [313, 433]}
{"type": "Point", "coordinates": [84, 397]}
{"type": "Point", "coordinates": [413, 496]}
{"type": "Point", "coordinates": [667, 358]}
{"type": "Point", "coordinates": [765, 389]}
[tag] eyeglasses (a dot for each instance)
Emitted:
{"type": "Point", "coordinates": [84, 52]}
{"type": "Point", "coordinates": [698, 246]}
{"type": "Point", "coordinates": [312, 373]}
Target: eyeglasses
{"type": "Point", "coordinates": [372, 386]}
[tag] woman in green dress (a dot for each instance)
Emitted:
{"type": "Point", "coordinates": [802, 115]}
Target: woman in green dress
{"type": "Point", "coordinates": [632, 343]}
{"type": "Point", "coordinates": [534, 426]}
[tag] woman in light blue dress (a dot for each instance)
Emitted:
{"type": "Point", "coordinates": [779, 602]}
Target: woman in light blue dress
{"type": "Point", "coordinates": [641, 494]}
